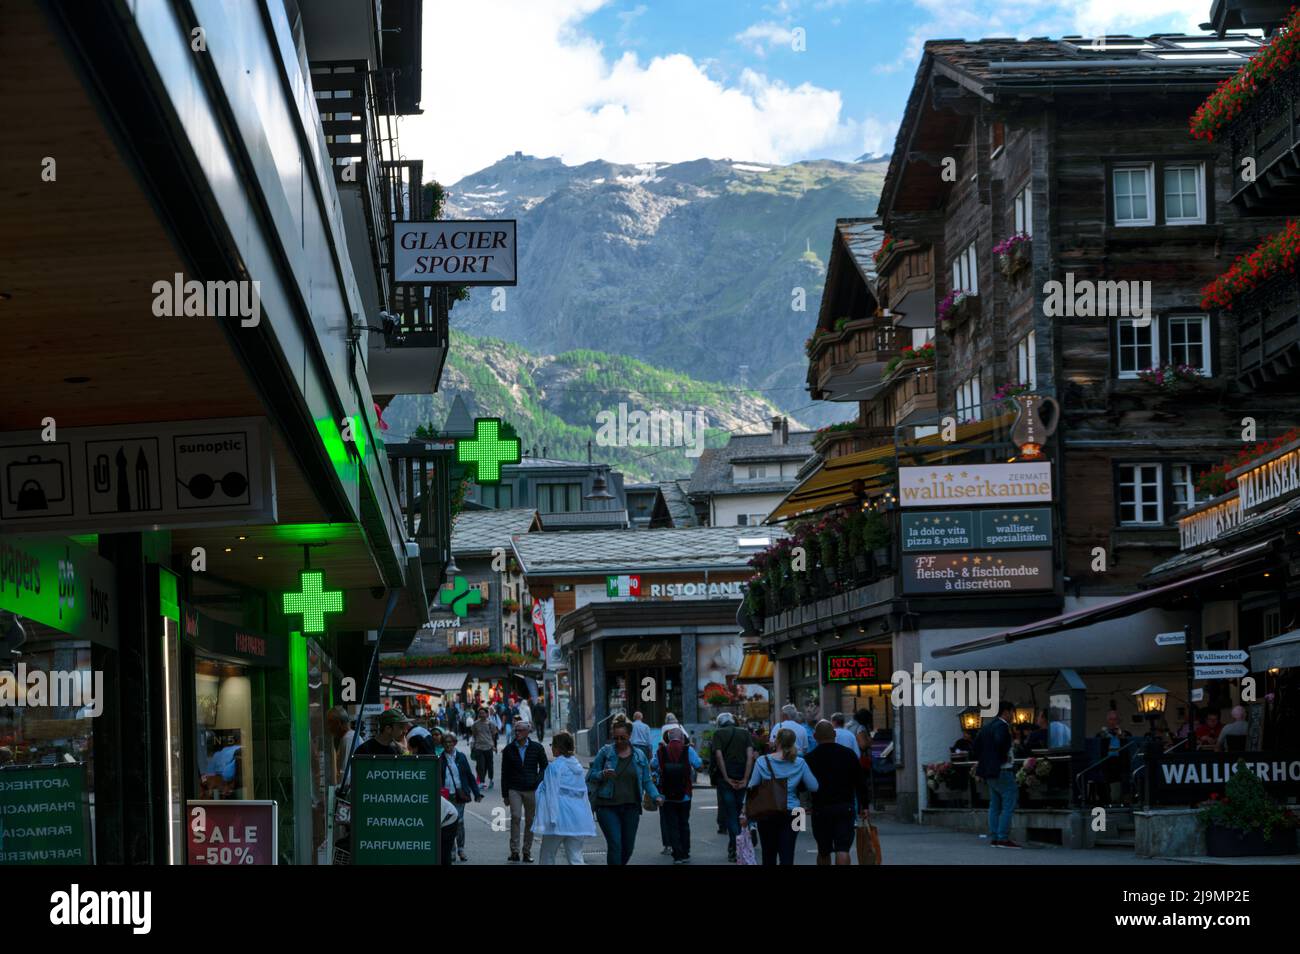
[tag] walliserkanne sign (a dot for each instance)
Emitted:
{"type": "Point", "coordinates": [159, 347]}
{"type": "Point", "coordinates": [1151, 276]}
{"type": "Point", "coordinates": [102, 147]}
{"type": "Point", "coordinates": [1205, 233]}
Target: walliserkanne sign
{"type": "Point", "coordinates": [1260, 484]}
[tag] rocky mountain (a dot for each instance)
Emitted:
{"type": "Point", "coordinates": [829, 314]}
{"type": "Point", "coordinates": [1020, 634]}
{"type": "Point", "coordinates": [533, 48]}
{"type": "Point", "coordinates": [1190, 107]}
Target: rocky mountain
{"type": "Point", "coordinates": [553, 402]}
{"type": "Point", "coordinates": [694, 266]}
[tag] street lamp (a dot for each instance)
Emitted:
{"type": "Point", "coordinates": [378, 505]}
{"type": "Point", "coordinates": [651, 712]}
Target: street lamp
{"type": "Point", "coordinates": [1151, 700]}
{"type": "Point", "coordinates": [599, 489]}
{"type": "Point", "coordinates": [1024, 715]}
{"type": "Point", "coordinates": [970, 720]}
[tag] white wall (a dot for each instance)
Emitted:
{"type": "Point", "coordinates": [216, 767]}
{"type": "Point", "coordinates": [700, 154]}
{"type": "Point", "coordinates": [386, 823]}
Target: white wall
{"type": "Point", "coordinates": [727, 507]}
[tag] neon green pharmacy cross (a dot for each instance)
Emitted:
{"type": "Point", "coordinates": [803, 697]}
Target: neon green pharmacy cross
{"type": "Point", "coordinates": [314, 601]}
{"type": "Point", "coordinates": [488, 450]}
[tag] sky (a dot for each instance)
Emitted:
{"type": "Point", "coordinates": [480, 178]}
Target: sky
{"type": "Point", "coordinates": [672, 80]}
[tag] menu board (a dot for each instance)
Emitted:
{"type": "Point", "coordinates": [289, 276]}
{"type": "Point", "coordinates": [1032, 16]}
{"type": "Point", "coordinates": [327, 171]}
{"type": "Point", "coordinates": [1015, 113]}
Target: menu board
{"type": "Point", "coordinates": [231, 832]}
{"type": "Point", "coordinates": [995, 528]}
{"type": "Point", "coordinates": [964, 573]}
{"type": "Point", "coordinates": [396, 810]}
{"type": "Point", "coordinates": [43, 815]}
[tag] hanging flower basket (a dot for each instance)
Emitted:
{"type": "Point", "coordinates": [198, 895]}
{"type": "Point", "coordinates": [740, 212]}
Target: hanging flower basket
{"type": "Point", "coordinates": [1278, 254]}
{"type": "Point", "coordinates": [1013, 257]}
{"type": "Point", "coordinates": [956, 309]}
{"type": "Point", "coordinates": [1231, 97]}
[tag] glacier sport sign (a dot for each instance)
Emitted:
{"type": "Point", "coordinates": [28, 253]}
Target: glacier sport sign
{"type": "Point", "coordinates": [455, 252]}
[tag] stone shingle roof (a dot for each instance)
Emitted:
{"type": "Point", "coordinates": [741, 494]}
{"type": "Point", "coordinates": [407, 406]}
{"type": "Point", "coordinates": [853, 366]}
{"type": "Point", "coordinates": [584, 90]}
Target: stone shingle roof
{"type": "Point", "coordinates": [639, 551]}
{"type": "Point", "coordinates": [679, 508]}
{"type": "Point", "coordinates": [713, 473]}
{"type": "Point", "coordinates": [477, 532]}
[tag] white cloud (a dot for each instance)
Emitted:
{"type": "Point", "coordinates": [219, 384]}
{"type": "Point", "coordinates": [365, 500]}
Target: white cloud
{"type": "Point", "coordinates": [760, 37]}
{"type": "Point", "coordinates": [507, 75]}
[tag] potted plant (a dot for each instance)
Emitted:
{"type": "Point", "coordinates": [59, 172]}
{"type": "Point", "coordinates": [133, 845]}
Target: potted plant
{"type": "Point", "coordinates": [830, 548]}
{"type": "Point", "coordinates": [1013, 255]}
{"type": "Point", "coordinates": [875, 537]}
{"type": "Point", "coordinates": [956, 309]}
{"type": "Point", "coordinates": [1246, 820]}
{"type": "Point", "coordinates": [510, 606]}
{"type": "Point", "coordinates": [854, 543]}
{"type": "Point", "coordinates": [1172, 378]}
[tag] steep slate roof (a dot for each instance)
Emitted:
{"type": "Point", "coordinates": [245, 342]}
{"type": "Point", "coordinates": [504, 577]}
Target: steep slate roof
{"type": "Point", "coordinates": [639, 551]}
{"type": "Point", "coordinates": [679, 507]}
{"type": "Point", "coordinates": [477, 532]}
{"type": "Point", "coordinates": [713, 473]}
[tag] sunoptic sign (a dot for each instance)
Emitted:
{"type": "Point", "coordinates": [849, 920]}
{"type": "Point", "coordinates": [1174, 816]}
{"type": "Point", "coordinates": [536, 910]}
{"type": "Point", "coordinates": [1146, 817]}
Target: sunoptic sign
{"type": "Point", "coordinates": [975, 484]}
{"type": "Point", "coordinates": [455, 253]}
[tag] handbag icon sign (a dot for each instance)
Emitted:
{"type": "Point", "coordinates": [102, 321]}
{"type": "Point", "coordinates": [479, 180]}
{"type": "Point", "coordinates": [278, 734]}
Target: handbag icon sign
{"type": "Point", "coordinates": [33, 484]}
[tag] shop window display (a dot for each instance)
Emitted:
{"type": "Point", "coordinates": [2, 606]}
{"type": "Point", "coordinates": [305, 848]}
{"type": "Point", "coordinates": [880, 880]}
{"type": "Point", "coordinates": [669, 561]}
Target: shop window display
{"type": "Point", "coordinates": [223, 715]}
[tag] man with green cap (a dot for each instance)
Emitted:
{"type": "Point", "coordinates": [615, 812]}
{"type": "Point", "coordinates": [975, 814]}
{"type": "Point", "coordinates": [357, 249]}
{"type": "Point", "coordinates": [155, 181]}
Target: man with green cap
{"type": "Point", "coordinates": [390, 728]}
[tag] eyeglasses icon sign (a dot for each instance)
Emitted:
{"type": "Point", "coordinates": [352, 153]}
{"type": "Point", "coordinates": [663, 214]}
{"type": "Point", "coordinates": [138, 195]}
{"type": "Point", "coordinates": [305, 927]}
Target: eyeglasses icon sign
{"type": "Point", "coordinates": [201, 486]}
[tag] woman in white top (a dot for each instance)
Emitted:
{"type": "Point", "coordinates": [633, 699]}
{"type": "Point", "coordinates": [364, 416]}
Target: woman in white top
{"type": "Point", "coordinates": [563, 815]}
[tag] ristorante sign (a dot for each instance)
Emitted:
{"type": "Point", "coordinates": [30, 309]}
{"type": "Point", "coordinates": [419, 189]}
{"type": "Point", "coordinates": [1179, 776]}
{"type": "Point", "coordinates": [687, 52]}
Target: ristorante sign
{"type": "Point", "coordinates": [975, 484]}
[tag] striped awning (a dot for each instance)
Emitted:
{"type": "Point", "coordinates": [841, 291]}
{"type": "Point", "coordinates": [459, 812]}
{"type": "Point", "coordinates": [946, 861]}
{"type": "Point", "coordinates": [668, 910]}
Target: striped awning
{"type": "Point", "coordinates": [756, 666]}
{"type": "Point", "coordinates": [425, 683]}
{"type": "Point", "coordinates": [831, 484]}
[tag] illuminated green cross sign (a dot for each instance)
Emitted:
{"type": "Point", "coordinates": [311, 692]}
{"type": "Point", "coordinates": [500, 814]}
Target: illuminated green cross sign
{"type": "Point", "coordinates": [487, 450]}
{"type": "Point", "coordinates": [314, 601]}
{"type": "Point", "coordinates": [458, 595]}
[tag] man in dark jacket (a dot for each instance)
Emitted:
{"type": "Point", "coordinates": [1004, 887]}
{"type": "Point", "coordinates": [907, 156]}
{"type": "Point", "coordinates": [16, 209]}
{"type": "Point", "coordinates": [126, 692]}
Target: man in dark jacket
{"type": "Point", "coordinates": [540, 715]}
{"type": "Point", "coordinates": [522, 765]}
{"type": "Point", "coordinates": [841, 787]}
{"type": "Point", "coordinates": [994, 764]}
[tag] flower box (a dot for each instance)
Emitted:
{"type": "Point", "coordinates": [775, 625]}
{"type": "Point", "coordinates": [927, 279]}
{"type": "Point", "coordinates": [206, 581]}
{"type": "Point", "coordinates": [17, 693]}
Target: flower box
{"type": "Point", "coordinates": [1013, 255]}
{"type": "Point", "coordinates": [956, 309]}
{"type": "Point", "coordinates": [1235, 94]}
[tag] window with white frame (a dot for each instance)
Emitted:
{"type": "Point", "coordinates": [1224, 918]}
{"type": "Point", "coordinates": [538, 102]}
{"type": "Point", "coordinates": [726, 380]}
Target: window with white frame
{"type": "Point", "coordinates": [1137, 349]}
{"type": "Point", "coordinates": [921, 337]}
{"type": "Point", "coordinates": [749, 519]}
{"type": "Point", "coordinates": [1133, 189]}
{"type": "Point", "coordinates": [1024, 207]}
{"type": "Point", "coordinates": [1189, 341]}
{"type": "Point", "coordinates": [1182, 480]}
{"type": "Point", "coordinates": [1027, 361]}
{"type": "Point", "coordinates": [1184, 192]}
{"type": "Point", "coordinates": [965, 273]}
{"type": "Point", "coordinates": [968, 400]}
{"type": "Point", "coordinates": [1141, 496]}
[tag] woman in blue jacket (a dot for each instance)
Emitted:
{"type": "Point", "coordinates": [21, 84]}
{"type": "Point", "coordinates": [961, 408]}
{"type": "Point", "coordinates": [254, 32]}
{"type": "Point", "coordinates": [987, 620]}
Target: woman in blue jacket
{"type": "Point", "coordinates": [621, 775]}
{"type": "Point", "coordinates": [777, 834]}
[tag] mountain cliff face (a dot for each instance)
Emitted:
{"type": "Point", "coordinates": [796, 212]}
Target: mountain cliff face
{"type": "Point", "coordinates": [553, 402]}
{"type": "Point", "coordinates": [690, 266]}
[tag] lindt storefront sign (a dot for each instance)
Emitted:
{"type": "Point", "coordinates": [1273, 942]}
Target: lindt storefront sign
{"type": "Point", "coordinates": [1260, 484]}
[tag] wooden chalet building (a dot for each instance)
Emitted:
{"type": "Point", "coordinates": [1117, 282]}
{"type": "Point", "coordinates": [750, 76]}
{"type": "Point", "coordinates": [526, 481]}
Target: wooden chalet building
{"type": "Point", "coordinates": [1050, 221]}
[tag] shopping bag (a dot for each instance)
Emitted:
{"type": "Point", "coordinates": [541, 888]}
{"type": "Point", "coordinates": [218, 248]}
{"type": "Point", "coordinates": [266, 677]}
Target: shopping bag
{"type": "Point", "coordinates": [868, 839]}
{"type": "Point", "coordinates": [768, 797]}
{"type": "Point", "coordinates": [745, 845]}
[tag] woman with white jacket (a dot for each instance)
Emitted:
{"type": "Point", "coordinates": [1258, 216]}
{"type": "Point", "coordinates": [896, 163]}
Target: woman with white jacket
{"type": "Point", "coordinates": [563, 810]}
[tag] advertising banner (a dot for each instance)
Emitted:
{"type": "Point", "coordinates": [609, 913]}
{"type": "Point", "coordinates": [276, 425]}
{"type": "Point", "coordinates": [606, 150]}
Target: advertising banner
{"type": "Point", "coordinates": [967, 573]}
{"type": "Point", "coordinates": [231, 832]}
{"type": "Point", "coordinates": [43, 815]}
{"type": "Point", "coordinates": [1182, 778]}
{"type": "Point", "coordinates": [1029, 482]}
{"type": "Point", "coordinates": [1000, 528]}
{"type": "Point", "coordinates": [396, 810]}
{"type": "Point", "coordinates": [60, 584]}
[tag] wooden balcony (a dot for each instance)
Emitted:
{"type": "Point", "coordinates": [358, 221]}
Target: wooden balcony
{"type": "Point", "coordinates": [1268, 333]}
{"type": "Point", "coordinates": [845, 365]}
{"type": "Point", "coordinates": [851, 440]}
{"type": "Point", "coordinates": [913, 396]}
{"type": "Point", "coordinates": [1268, 132]}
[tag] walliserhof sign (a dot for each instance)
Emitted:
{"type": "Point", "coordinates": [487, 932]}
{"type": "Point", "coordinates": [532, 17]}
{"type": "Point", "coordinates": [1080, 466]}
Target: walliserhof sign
{"type": "Point", "coordinates": [1260, 484]}
{"type": "Point", "coordinates": [455, 252]}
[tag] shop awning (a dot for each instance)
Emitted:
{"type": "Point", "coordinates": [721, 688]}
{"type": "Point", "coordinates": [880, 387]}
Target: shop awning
{"type": "Point", "coordinates": [757, 666]}
{"type": "Point", "coordinates": [1117, 609]}
{"type": "Point", "coordinates": [1280, 652]}
{"type": "Point", "coordinates": [831, 484]}
{"type": "Point", "coordinates": [426, 682]}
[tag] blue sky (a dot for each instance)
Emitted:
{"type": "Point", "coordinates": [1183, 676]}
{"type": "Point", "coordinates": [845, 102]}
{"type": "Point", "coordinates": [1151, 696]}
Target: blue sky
{"type": "Point", "coordinates": [670, 80]}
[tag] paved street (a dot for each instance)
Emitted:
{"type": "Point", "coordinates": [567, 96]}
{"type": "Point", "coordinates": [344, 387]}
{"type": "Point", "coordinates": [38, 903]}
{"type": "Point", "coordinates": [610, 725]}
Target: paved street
{"type": "Point", "coordinates": [900, 843]}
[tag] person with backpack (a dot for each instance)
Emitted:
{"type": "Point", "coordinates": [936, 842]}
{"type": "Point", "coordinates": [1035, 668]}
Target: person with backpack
{"type": "Point", "coordinates": [675, 765]}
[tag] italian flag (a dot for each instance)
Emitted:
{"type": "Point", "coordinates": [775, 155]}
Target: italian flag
{"type": "Point", "coordinates": [622, 585]}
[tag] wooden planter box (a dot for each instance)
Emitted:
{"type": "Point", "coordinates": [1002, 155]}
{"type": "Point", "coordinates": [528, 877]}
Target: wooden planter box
{"type": "Point", "coordinates": [1015, 263]}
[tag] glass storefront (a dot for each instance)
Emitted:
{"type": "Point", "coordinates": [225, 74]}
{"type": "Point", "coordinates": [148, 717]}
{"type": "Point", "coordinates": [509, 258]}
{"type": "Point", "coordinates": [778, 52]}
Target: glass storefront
{"type": "Point", "coordinates": [644, 675]}
{"type": "Point", "coordinates": [223, 722]}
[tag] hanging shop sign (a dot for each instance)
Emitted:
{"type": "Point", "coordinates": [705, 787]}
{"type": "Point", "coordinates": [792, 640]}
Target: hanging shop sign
{"type": "Point", "coordinates": [396, 810]}
{"type": "Point", "coordinates": [493, 445]}
{"type": "Point", "coordinates": [231, 832]}
{"type": "Point", "coordinates": [857, 668]}
{"type": "Point", "coordinates": [963, 573]}
{"type": "Point", "coordinates": [137, 477]}
{"type": "Point", "coordinates": [44, 815]}
{"type": "Point", "coordinates": [61, 585]}
{"type": "Point", "coordinates": [993, 529]}
{"type": "Point", "coordinates": [312, 601]}
{"type": "Point", "coordinates": [233, 642]}
{"type": "Point", "coordinates": [975, 484]}
{"type": "Point", "coordinates": [1181, 778]}
{"type": "Point", "coordinates": [1036, 418]}
{"type": "Point", "coordinates": [455, 252]}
